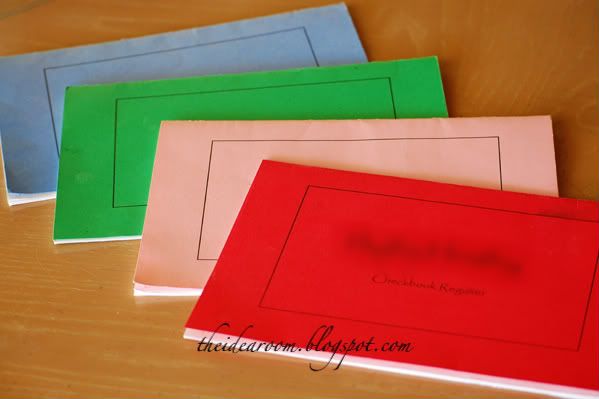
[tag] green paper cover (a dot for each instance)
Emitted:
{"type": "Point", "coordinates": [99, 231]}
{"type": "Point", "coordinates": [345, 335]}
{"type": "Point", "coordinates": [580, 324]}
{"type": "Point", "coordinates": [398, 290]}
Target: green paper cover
{"type": "Point", "coordinates": [110, 131]}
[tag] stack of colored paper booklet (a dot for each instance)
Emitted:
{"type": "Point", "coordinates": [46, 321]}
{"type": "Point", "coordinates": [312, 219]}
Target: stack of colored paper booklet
{"type": "Point", "coordinates": [110, 131]}
{"type": "Point", "coordinates": [314, 201]}
{"type": "Point", "coordinates": [427, 279]}
{"type": "Point", "coordinates": [214, 163]}
{"type": "Point", "coordinates": [33, 86]}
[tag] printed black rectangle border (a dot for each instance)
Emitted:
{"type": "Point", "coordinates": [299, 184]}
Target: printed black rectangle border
{"type": "Point", "coordinates": [590, 289]}
{"type": "Point", "coordinates": [386, 78]}
{"type": "Point", "coordinates": [45, 69]}
{"type": "Point", "coordinates": [333, 140]}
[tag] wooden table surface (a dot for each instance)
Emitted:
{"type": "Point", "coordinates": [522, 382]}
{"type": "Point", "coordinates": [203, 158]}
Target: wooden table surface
{"type": "Point", "coordinates": [69, 326]}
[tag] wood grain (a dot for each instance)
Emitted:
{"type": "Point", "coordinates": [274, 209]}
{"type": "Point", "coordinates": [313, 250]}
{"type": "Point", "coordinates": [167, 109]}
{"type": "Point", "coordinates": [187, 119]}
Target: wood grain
{"type": "Point", "coordinates": [69, 326]}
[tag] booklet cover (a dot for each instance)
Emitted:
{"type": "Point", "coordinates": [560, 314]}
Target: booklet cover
{"type": "Point", "coordinates": [429, 279]}
{"type": "Point", "coordinates": [203, 170]}
{"type": "Point", "coordinates": [110, 131]}
{"type": "Point", "coordinates": [33, 85]}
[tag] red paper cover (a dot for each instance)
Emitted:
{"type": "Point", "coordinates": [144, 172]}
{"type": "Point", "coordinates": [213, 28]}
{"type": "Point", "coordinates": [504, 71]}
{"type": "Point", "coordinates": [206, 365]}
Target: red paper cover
{"type": "Point", "coordinates": [480, 281]}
